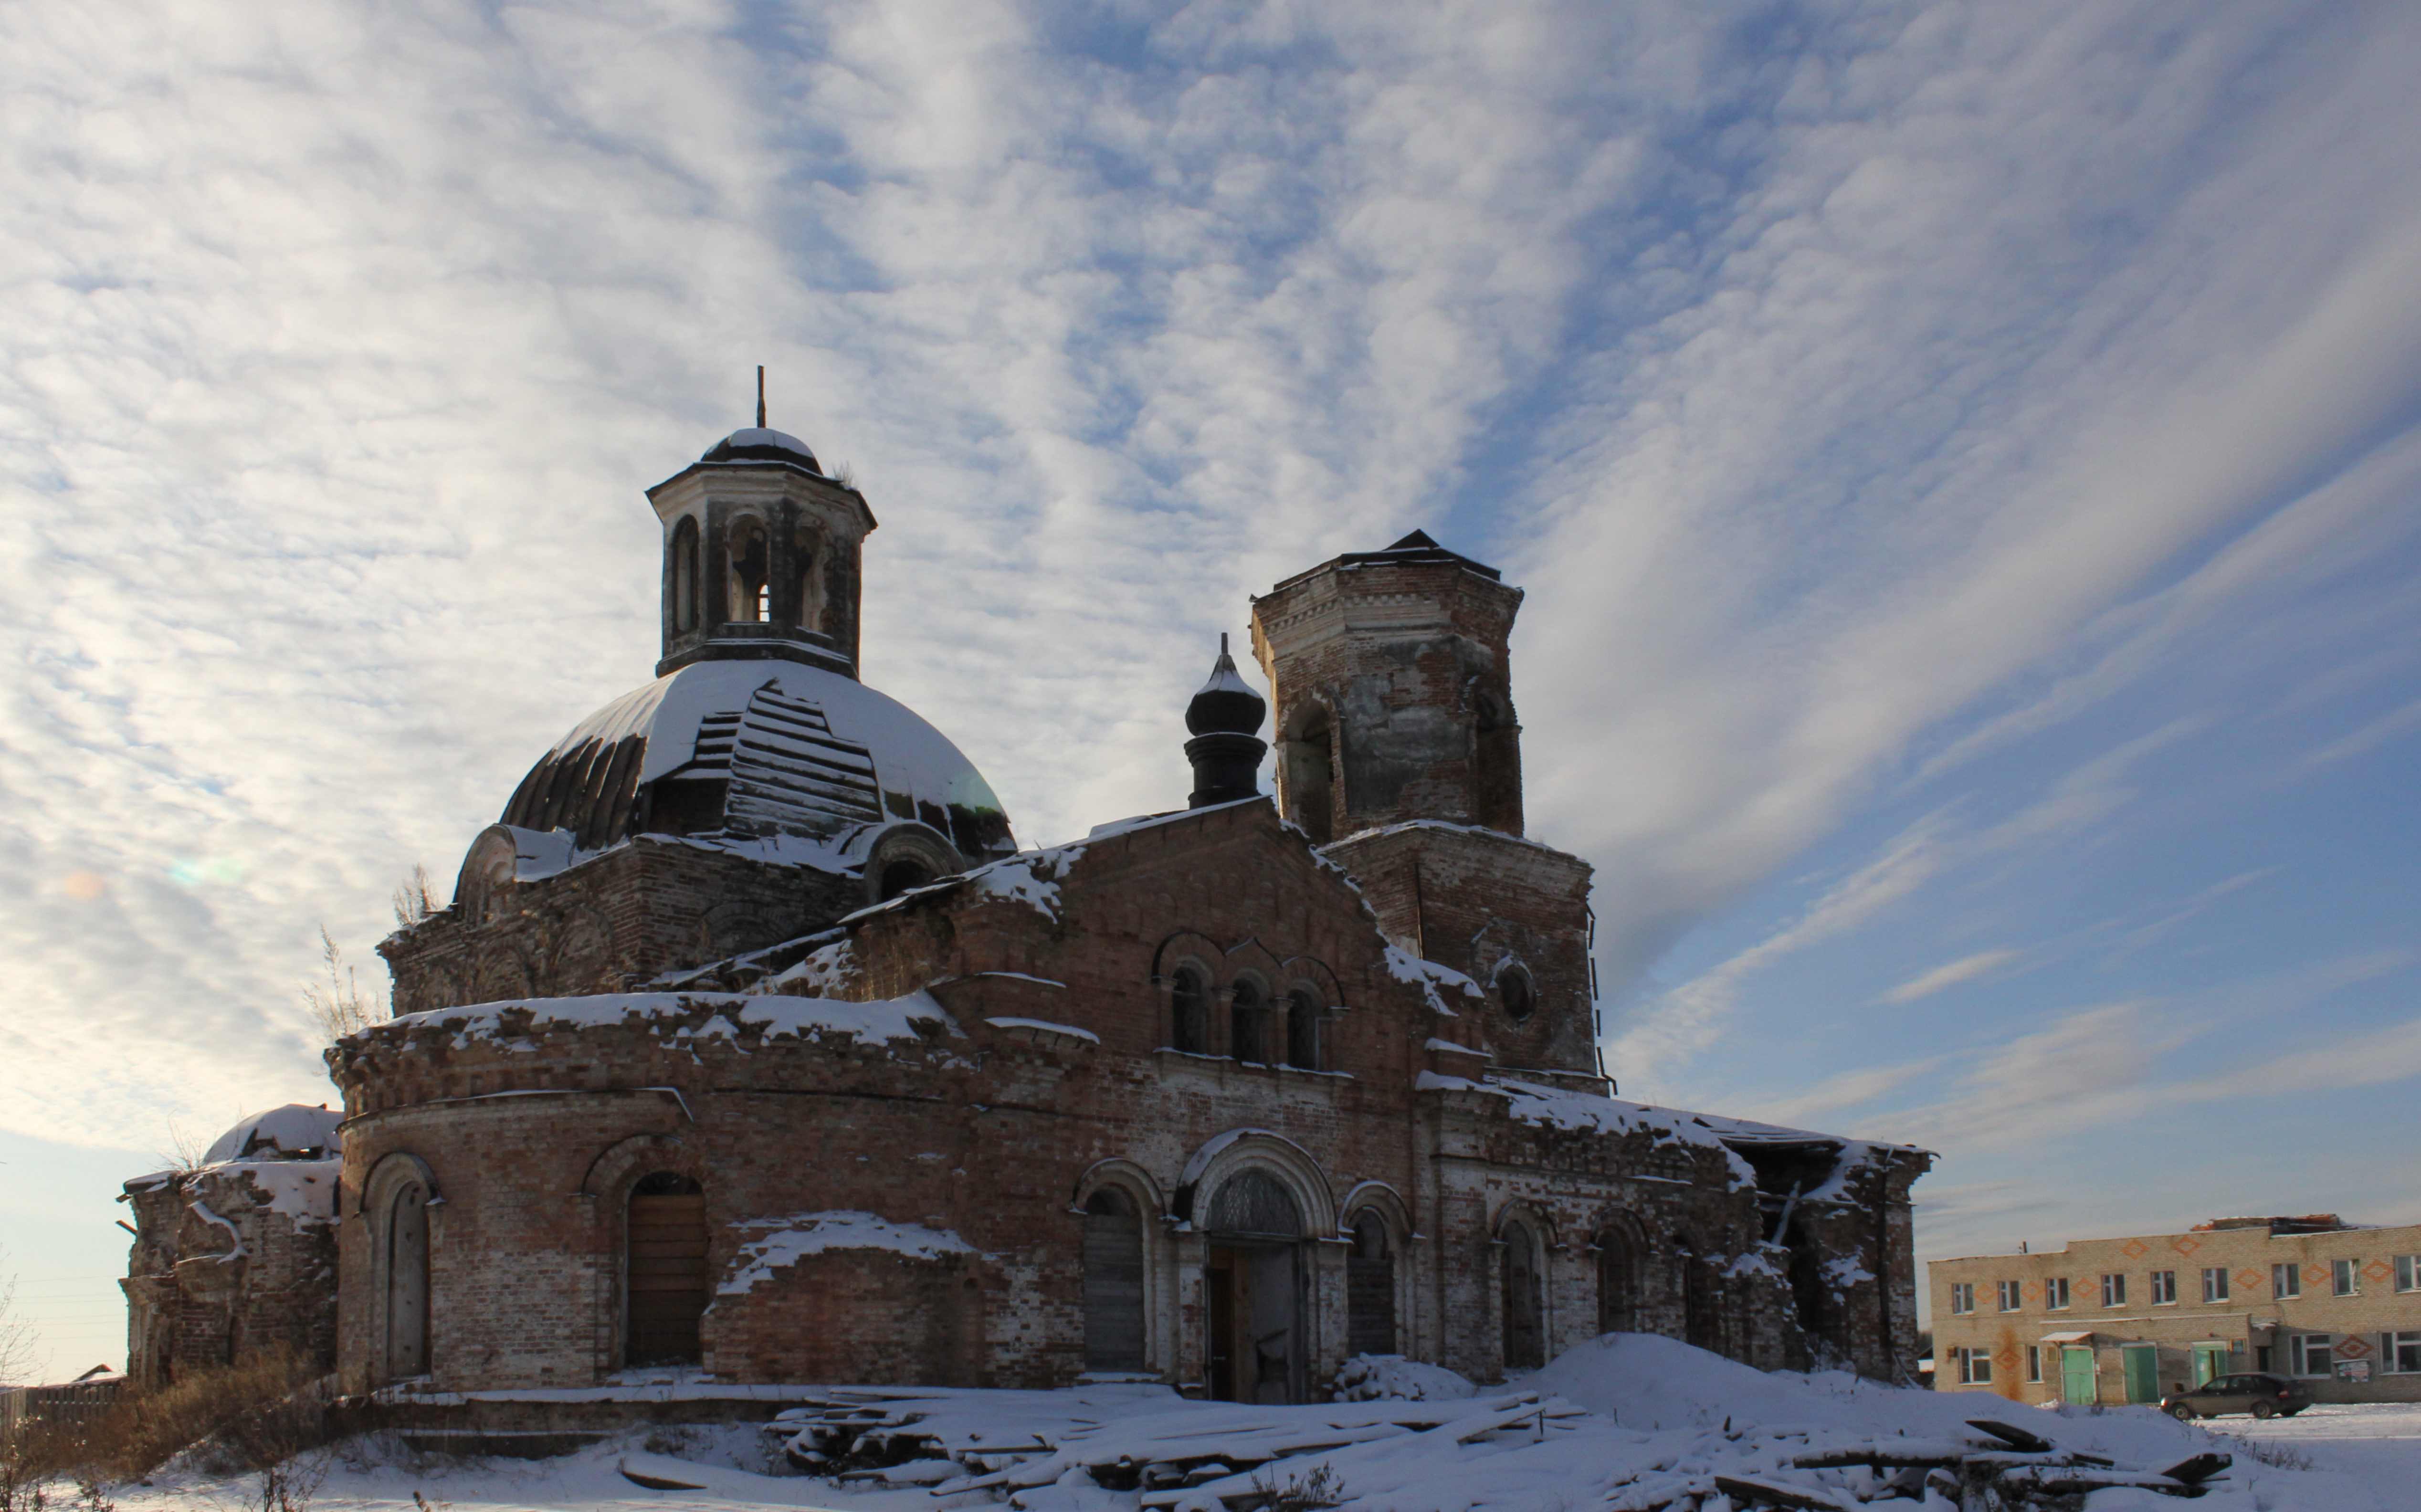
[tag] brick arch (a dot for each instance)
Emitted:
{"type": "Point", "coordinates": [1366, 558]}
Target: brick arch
{"type": "Point", "coordinates": [1118, 1172]}
{"type": "Point", "coordinates": [1220, 1159]}
{"type": "Point", "coordinates": [1527, 1320]}
{"type": "Point", "coordinates": [613, 1168]}
{"type": "Point", "coordinates": [395, 1173]}
{"type": "Point", "coordinates": [607, 1182]}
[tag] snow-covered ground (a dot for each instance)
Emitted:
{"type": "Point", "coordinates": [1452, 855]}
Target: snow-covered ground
{"type": "Point", "coordinates": [2377, 1443]}
{"type": "Point", "coordinates": [1629, 1421]}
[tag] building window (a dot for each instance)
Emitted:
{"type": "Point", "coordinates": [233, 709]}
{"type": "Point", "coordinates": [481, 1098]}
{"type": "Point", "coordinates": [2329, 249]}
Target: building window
{"type": "Point", "coordinates": [2113, 1292]}
{"type": "Point", "coordinates": [1302, 1029]}
{"type": "Point", "coordinates": [1974, 1368]}
{"type": "Point", "coordinates": [1513, 988]}
{"type": "Point", "coordinates": [751, 599]}
{"type": "Point", "coordinates": [2010, 1301]}
{"type": "Point", "coordinates": [1304, 778]}
{"type": "Point", "coordinates": [2287, 1280]}
{"type": "Point", "coordinates": [2214, 1283]}
{"type": "Point", "coordinates": [2034, 1362]}
{"type": "Point", "coordinates": [1188, 1012]}
{"type": "Point", "coordinates": [1248, 1023]}
{"type": "Point", "coordinates": [2165, 1288]}
{"type": "Point", "coordinates": [2310, 1355]}
{"type": "Point", "coordinates": [2400, 1355]}
{"type": "Point", "coordinates": [1962, 1296]}
{"type": "Point", "coordinates": [2345, 1278]}
{"type": "Point", "coordinates": [684, 571]}
{"type": "Point", "coordinates": [2056, 1294]}
{"type": "Point", "coordinates": [2408, 1272]}
{"type": "Point", "coordinates": [1618, 1282]}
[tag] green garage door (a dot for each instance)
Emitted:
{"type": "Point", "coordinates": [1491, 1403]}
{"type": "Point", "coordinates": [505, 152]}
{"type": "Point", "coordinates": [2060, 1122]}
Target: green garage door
{"type": "Point", "coordinates": [2142, 1372]}
{"type": "Point", "coordinates": [2076, 1382]}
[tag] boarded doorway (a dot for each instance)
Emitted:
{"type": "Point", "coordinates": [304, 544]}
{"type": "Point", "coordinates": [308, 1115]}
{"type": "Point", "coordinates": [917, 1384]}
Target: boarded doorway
{"type": "Point", "coordinates": [1254, 1290]}
{"type": "Point", "coordinates": [407, 1284]}
{"type": "Point", "coordinates": [1371, 1288]}
{"type": "Point", "coordinates": [1113, 1282]}
{"type": "Point", "coordinates": [664, 1271]}
{"type": "Point", "coordinates": [1525, 1331]}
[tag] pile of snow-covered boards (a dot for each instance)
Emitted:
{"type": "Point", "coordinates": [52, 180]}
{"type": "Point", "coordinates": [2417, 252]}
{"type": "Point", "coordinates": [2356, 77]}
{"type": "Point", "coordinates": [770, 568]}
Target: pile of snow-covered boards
{"type": "Point", "coordinates": [1159, 1453]}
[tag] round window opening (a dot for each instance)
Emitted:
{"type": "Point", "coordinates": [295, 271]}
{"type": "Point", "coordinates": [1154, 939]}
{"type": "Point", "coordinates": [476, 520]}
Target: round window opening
{"type": "Point", "coordinates": [1520, 998]}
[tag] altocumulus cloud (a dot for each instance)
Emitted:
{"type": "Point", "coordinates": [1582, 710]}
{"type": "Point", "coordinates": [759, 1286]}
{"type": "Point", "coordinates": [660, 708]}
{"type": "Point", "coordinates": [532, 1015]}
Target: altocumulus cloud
{"type": "Point", "coordinates": [1818, 369]}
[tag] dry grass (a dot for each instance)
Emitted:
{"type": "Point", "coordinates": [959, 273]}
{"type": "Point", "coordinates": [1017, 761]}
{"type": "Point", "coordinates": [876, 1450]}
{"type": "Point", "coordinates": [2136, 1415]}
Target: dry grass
{"type": "Point", "coordinates": [254, 1416]}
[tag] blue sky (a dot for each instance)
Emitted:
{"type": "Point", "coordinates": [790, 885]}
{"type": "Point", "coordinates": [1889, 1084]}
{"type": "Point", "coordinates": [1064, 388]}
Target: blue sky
{"type": "Point", "coordinates": [1963, 459]}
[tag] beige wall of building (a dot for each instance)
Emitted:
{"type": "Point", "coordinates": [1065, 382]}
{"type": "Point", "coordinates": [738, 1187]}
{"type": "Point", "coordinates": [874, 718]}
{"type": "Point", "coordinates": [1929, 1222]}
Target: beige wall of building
{"type": "Point", "coordinates": [2125, 1320]}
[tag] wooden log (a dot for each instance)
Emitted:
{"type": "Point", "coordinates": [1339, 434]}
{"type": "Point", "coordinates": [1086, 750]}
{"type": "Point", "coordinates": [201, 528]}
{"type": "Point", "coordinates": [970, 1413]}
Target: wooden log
{"type": "Point", "coordinates": [1758, 1492]}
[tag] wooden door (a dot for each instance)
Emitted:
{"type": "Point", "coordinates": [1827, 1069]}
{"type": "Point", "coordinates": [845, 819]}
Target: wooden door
{"type": "Point", "coordinates": [407, 1286]}
{"type": "Point", "coordinates": [664, 1271]}
{"type": "Point", "coordinates": [2210, 1363]}
{"type": "Point", "coordinates": [2076, 1383]}
{"type": "Point", "coordinates": [2143, 1363]}
{"type": "Point", "coordinates": [1219, 1284]}
{"type": "Point", "coordinates": [1525, 1322]}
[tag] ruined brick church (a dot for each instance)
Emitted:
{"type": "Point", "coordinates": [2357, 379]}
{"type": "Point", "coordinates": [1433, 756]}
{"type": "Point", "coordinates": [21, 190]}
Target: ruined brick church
{"type": "Point", "coordinates": [752, 1043]}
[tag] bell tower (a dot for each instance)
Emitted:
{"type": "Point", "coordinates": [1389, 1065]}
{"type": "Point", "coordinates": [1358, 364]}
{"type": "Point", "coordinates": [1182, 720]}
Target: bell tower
{"type": "Point", "coordinates": [762, 555]}
{"type": "Point", "coordinates": [1394, 694]}
{"type": "Point", "coordinates": [1399, 757]}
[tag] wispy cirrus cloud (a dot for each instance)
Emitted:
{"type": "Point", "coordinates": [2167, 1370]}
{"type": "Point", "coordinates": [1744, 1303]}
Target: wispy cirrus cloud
{"type": "Point", "coordinates": [1950, 975]}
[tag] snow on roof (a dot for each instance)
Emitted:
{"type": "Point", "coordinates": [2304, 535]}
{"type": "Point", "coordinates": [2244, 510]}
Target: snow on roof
{"type": "Point", "coordinates": [1429, 977]}
{"type": "Point", "coordinates": [294, 1132]}
{"type": "Point", "coordinates": [779, 1241]}
{"type": "Point", "coordinates": [1553, 1108]}
{"type": "Point", "coordinates": [726, 1016]}
{"type": "Point", "coordinates": [759, 436]}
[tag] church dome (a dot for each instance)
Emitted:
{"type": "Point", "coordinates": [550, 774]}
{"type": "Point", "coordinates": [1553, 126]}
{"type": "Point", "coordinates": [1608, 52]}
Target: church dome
{"type": "Point", "coordinates": [758, 444]}
{"type": "Point", "coordinates": [293, 1132]}
{"type": "Point", "coordinates": [754, 750]}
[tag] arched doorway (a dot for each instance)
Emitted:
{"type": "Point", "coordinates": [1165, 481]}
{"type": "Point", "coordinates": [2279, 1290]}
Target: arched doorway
{"type": "Point", "coordinates": [1526, 1323]}
{"type": "Point", "coordinates": [1618, 1282]}
{"type": "Point", "coordinates": [1370, 1288]}
{"type": "Point", "coordinates": [1254, 1284]}
{"type": "Point", "coordinates": [663, 1271]}
{"type": "Point", "coordinates": [1113, 1282]}
{"type": "Point", "coordinates": [1699, 1325]}
{"type": "Point", "coordinates": [407, 1284]}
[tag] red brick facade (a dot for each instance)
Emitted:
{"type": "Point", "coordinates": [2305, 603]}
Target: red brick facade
{"type": "Point", "coordinates": [1204, 1096]}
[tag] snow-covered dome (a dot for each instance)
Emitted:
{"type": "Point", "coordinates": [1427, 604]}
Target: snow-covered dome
{"type": "Point", "coordinates": [293, 1132]}
{"type": "Point", "coordinates": [755, 444]}
{"type": "Point", "coordinates": [753, 749]}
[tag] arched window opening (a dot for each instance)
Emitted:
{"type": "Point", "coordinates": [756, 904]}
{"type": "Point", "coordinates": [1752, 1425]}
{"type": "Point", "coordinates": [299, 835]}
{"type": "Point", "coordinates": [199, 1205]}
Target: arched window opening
{"type": "Point", "coordinates": [1371, 1288]}
{"type": "Point", "coordinates": [903, 875]}
{"type": "Point", "coordinates": [1302, 1029]}
{"type": "Point", "coordinates": [1526, 1323]}
{"type": "Point", "coordinates": [1113, 1282]}
{"type": "Point", "coordinates": [1307, 773]}
{"type": "Point", "coordinates": [1253, 1284]}
{"type": "Point", "coordinates": [750, 562]}
{"type": "Point", "coordinates": [1517, 992]}
{"type": "Point", "coordinates": [1189, 1007]}
{"type": "Point", "coordinates": [684, 571]}
{"type": "Point", "coordinates": [1248, 1022]}
{"type": "Point", "coordinates": [1618, 1282]}
{"type": "Point", "coordinates": [664, 1270]}
{"type": "Point", "coordinates": [1496, 765]}
{"type": "Point", "coordinates": [407, 1284]}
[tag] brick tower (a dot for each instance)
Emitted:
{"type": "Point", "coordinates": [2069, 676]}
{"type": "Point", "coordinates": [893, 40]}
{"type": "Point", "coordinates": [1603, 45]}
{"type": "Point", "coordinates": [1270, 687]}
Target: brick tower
{"type": "Point", "coordinates": [763, 556]}
{"type": "Point", "coordinates": [1399, 755]}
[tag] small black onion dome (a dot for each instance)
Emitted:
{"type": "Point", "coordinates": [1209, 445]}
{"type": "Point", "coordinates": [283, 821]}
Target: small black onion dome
{"type": "Point", "coordinates": [1226, 704]}
{"type": "Point", "coordinates": [759, 444]}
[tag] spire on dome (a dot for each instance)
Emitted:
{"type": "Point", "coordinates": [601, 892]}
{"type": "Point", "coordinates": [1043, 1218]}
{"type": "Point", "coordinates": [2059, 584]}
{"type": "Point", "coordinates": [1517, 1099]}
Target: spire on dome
{"type": "Point", "coordinates": [1224, 718]}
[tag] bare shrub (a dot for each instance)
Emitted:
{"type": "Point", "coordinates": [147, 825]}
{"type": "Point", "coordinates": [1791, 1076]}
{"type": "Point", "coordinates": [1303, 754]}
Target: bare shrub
{"type": "Point", "coordinates": [339, 1004]}
{"type": "Point", "coordinates": [412, 899]}
{"type": "Point", "coordinates": [1321, 1487]}
{"type": "Point", "coordinates": [2276, 1456]}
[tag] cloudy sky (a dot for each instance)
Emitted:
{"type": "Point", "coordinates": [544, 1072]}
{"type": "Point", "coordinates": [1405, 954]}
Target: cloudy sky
{"type": "Point", "coordinates": [1964, 460]}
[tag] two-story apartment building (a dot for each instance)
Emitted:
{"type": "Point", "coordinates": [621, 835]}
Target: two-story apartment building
{"type": "Point", "coordinates": [2125, 1320]}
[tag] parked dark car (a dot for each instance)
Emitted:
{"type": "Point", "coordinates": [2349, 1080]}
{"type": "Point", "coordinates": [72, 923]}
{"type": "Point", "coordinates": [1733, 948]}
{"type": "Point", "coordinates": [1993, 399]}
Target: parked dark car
{"type": "Point", "coordinates": [2260, 1393]}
